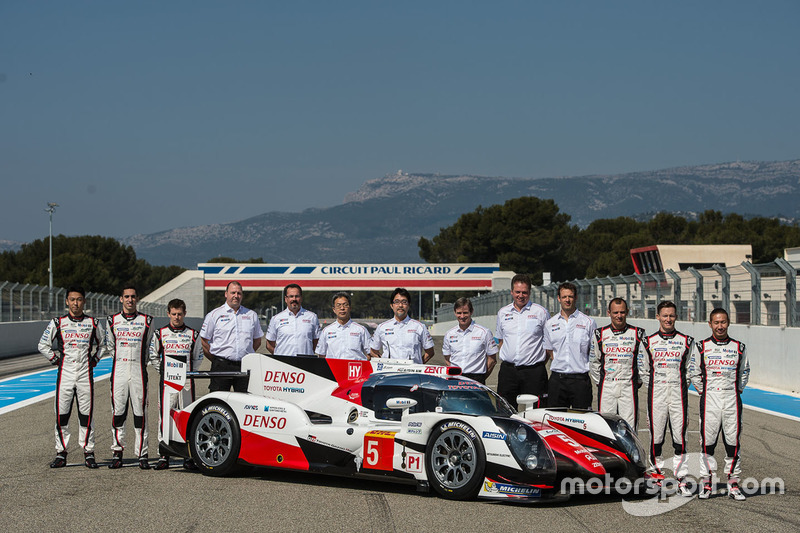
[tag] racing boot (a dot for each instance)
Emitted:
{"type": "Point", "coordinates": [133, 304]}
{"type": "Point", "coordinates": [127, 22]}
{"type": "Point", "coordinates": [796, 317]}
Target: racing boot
{"type": "Point", "coordinates": [60, 461]}
{"type": "Point", "coordinates": [88, 460]}
{"type": "Point", "coordinates": [188, 464]}
{"type": "Point", "coordinates": [116, 460]}
{"type": "Point", "coordinates": [734, 492]}
{"type": "Point", "coordinates": [144, 464]}
{"type": "Point", "coordinates": [705, 489]}
{"type": "Point", "coordinates": [683, 488]}
{"type": "Point", "coordinates": [163, 463]}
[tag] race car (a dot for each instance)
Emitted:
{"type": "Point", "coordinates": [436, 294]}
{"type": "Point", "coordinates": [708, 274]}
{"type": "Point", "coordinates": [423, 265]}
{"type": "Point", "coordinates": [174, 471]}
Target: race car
{"type": "Point", "coordinates": [398, 421]}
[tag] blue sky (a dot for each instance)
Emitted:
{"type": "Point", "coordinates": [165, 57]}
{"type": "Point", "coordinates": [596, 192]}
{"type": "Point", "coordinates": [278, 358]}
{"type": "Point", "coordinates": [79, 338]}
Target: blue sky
{"type": "Point", "coordinates": [142, 116]}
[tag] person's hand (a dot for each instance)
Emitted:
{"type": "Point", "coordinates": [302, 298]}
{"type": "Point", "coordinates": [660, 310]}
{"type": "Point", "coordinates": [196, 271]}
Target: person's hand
{"type": "Point", "coordinates": [56, 360]}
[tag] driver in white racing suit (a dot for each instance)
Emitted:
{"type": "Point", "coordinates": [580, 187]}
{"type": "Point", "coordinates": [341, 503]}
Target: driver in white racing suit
{"type": "Point", "coordinates": [75, 343]}
{"type": "Point", "coordinates": [127, 340]}
{"type": "Point", "coordinates": [664, 367]}
{"type": "Point", "coordinates": [182, 343]}
{"type": "Point", "coordinates": [719, 372]}
{"type": "Point", "coordinates": [615, 367]}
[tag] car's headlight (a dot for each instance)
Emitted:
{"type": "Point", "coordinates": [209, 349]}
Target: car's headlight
{"type": "Point", "coordinates": [527, 446]}
{"type": "Point", "coordinates": [630, 443]}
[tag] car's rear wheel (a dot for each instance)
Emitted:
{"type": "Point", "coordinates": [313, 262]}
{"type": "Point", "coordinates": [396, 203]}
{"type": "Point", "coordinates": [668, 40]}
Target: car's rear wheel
{"type": "Point", "coordinates": [455, 460]}
{"type": "Point", "coordinates": [215, 439]}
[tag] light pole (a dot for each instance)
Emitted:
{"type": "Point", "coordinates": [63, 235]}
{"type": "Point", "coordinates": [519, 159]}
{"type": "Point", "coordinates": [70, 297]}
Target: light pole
{"type": "Point", "coordinates": [51, 207]}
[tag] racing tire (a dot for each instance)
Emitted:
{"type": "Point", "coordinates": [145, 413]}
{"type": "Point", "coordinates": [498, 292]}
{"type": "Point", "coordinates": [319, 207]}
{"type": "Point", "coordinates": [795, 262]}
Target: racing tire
{"type": "Point", "coordinates": [455, 460]}
{"type": "Point", "coordinates": [215, 440]}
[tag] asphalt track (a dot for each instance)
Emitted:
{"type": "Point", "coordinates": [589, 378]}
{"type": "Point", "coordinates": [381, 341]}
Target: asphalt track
{"type": "Point", "coordinates": [36, 498]}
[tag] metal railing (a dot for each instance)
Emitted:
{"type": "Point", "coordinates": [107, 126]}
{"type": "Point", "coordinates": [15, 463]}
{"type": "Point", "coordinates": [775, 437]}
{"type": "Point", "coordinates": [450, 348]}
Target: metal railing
{"type": "Point", "coordinates": [22, 302]}
{"type": "Point", "coordinates": [763, 294]}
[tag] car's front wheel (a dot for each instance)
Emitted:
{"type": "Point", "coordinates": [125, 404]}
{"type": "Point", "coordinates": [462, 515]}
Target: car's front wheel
{"type": "Point", "coordinates": [214, 440]}
{"type": "Point", "coordinates": [455, 460]}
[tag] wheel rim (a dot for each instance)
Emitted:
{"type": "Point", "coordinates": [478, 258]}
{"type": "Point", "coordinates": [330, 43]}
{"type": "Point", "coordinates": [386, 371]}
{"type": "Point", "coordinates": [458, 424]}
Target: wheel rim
{"type": "Point", "coordinates": [453, 459]}
{"type": "Point", "coordinates": [213, 439]}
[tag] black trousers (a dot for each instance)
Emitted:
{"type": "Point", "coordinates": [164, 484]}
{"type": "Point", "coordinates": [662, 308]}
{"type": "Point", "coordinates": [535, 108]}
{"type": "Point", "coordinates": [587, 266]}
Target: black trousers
{"type": "Point", "coordinates": [479, 377]}
{"type": "Point", "coordinates": [570, 390]}
{"type": "Point", "coordinates": [224, 384]}
{"type": "Point", "coordinates": [515, 380]}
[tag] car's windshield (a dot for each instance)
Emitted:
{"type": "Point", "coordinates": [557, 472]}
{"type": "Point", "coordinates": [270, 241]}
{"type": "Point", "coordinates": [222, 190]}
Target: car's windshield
{"type": "Point", "coordinates": [480, 402]}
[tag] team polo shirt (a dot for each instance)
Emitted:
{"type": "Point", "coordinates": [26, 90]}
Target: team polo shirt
{"type": "Point", "coordinates": [571, 341]}
{"type": "Point", "coordinates": [521, 332]}
{"type": "Point", "coordinates": [344, 341]}
{"type": "Point", "coordinates": [230, 334]}
{"type": "Point", "coordinates": [402, 340]}
{"type": "Point", "coordinates": [293, 334]}
{"type": "Point", "coordinates": [468, 348]}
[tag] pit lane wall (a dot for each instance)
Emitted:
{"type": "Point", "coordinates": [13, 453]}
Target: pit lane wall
{"type": "Point", "coordinates": [773, 352]}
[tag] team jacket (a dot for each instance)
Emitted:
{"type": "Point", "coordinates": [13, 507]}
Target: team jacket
{"type": "Point", "coordinates": [719, 365]}
{"type": "Point", "coordinates": [617, 355]}
{"type": "Point", "coordinates": [76, 339]}
{"type": "Point", "coordinates": [666, 358]}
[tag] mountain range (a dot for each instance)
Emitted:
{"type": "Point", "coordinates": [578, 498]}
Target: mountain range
{"type": "Point", "coordinates": [384, 218]}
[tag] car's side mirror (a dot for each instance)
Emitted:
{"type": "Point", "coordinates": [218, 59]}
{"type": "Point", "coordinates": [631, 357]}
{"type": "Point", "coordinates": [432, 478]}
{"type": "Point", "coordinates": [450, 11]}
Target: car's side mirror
{"type": "Point", "coordinates": [401, 403]}
{"type": "Point", "coordinates": [527, 401]}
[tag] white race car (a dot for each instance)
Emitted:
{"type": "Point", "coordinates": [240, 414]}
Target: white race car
{"type": "Point", "coordinates": [384, 419]}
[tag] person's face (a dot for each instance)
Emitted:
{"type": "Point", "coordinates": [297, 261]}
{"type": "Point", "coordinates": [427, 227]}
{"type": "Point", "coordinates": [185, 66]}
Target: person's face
{"type": "Point", "coordinates": [75, 303]}
{"type": "Point", "coordinates": [400, 306]}
{"type": "Point", "coordinates": [566, 297]}
{"type": "Point", "coordinates": [464, 316]}
{"type": "Point", "coordinates": [233, 296]}
{"type": "Point", "coordinates": [521, 293]}
{"type": "Point", "coordinates": [666, 319]}
{"type": "Point", "coordinates": [176, 317]}
{"type": "Point", "coordinates": [129, 300]}
{"type": "Point", "coordinates": [618, 312]}
{"type": "Point", "coordinates": [719, 326]}
{"type": "Point", "coordinates": [341, 308]}
{"type": "Point", "coordinates": [293, 299]}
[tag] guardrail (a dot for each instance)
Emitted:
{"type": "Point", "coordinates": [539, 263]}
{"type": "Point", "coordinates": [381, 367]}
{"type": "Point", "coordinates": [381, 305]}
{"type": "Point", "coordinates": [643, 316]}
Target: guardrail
{"type": "Point", "coordinates": [763, 294]}
{"type": "Point", "coordinates": [27, 302]}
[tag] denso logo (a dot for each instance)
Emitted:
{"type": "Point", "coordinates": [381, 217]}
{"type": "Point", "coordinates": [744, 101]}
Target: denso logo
{"type": "Point", "coordinates": [126, 334]}
{"type": "Point", "coordinates": [267, 422]}
{"type": "Point", "coordinates": [284, 377]}
{"type": "Point", "coordinates": [176, 345]}
{"type": "Point", "coordinates": [76, 335]}
{"type": "Point", "coordinates": [721, 362]}
{"type": "Point", "coordinates": [618, 349]}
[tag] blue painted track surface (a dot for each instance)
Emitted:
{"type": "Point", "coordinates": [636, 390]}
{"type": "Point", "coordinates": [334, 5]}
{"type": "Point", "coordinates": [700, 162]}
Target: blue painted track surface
{"type": "Point", "coordinates": [23, 390]}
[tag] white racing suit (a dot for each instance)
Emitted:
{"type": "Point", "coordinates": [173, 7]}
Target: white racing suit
{"type": "Point", "coordinates": [127, 340]}
{"type": "Point", "coordinates": [719, 372]}
{"type": "Point", "coordinates": [181, 344]}
{"type": "Point", "coordinates": [615, 369]}
{"type": "Point", "coordinates": [75, 345]}
{"type": "Point", "coordinates": [664, 366]}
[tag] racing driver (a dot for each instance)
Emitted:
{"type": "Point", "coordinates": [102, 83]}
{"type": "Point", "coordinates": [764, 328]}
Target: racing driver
{"type": "Point", "coordinates": [75, 343]}
{"type": "Point", "coordinates": [719, 371]}
{"type": "Point", "coordinates": [664, 367]}
{"type": "Point", "coordinates": [182, 343]}
{"type": "Point", "coordinates": [615, 367]}
{"type": "Point", "coordinates": [127, 340]}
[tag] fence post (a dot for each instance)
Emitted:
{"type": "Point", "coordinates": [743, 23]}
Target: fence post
{"type": "Point", "coordinates": [699, 299]}
{"type": "Point", "coordinates": [726, 287]}
{"type": "Point", "coordinates": [755, 292]}
{"type": "Point", "coordinates": [676, 290]}
{"type": "Point", "coordinates": [791, 291]}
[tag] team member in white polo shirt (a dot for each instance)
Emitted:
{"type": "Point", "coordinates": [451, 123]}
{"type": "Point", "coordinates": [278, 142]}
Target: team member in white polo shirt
{"type": "Point", "coordinates": [344, 339]}
{"type": "Point", "coordinates": [468, 345]}
{"type": "Point", "coordinates": [520, 328]}
{"type": "Point", "coordinates": [230, 332]}
{"type": "Point", "coordinates": [568, 339]}
{"type": "Point", "coordinates": [293, 331]}
{"type": "Point", "coordinates": [402, 337]}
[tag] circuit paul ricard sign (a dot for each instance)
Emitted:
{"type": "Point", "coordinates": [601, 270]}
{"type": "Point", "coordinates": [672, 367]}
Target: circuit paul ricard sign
{"type": "Point", "coordinates": [330, 277]}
